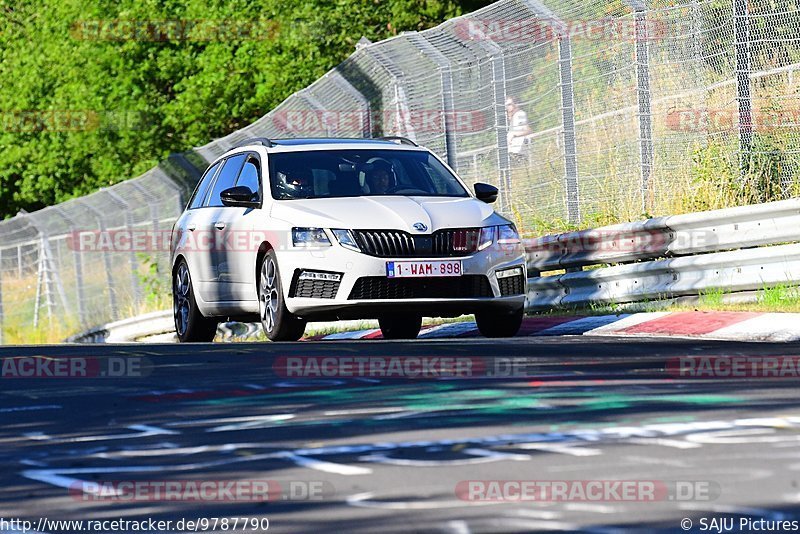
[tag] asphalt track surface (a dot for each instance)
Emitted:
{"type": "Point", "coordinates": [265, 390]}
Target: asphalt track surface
{"type": "Point", "coordinates": [382, 454]}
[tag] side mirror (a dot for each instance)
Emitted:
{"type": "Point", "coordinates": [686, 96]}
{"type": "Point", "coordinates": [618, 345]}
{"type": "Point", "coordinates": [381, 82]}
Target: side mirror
{"type": "Point", "coordinates": [240, 196]}
{"type": "Point", "coordinates": [485, 192]}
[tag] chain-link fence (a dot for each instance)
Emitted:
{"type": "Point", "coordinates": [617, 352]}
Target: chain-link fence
{"type": "Point", "coordinates": [581, 112]}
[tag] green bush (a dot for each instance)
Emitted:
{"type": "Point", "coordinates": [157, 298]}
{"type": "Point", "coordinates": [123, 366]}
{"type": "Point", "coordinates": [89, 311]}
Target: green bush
{"type": "Point", "coordinates": [144, 98]}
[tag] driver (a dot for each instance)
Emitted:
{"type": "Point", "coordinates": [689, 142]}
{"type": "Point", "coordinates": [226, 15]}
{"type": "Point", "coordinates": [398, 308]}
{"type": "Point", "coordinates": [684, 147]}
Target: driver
{"type": "Point", "coordinates": [381, 178]}
{"type": "Point", "coordinates": [296, 183]}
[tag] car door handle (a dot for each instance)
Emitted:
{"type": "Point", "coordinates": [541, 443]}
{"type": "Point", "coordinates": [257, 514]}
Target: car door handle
{"type": "Point", "coordinates": [219, 225]}
{"type": "Point", "coordinates": [191, 227]}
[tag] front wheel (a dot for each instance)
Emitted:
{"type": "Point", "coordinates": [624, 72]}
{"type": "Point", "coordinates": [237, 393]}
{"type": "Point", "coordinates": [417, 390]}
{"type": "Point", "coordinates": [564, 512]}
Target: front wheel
{"type": "Point", "coordinates": [494, 323]}
{"type": "Point", "coordinates": [400, 326]}
{"type": "Point", "coordinates": [190, 325]}
{"type": "Point", "coordinates": [279, 324]}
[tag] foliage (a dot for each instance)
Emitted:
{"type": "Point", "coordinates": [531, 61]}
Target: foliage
{"type": "Point", "coordinates": [154, 282]}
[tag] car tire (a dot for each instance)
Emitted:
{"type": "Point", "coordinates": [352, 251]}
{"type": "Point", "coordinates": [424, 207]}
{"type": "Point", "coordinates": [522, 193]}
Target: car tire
{"type": "Point", "coordinates": [278, 323]}
{"type": "Point", "coordinates": [190, 325]}
{"type": "Point", "coordinates": [400, 326]}
{"type": "Point", "coordinates": [499, 323]}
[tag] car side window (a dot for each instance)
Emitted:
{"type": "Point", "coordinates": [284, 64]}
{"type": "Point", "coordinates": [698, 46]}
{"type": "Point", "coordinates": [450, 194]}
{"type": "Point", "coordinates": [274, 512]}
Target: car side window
{"type": "Point", "coordinates": [249, 175]}
{"type": "Point", "coordinates": [226, 179]}
{"type": "Point", "coordinates": [202, 188]}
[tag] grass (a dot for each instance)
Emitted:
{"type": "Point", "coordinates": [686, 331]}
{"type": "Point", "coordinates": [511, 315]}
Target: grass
{"type": "Point", "coordinates": [781, 298]}
{"type": "Point", "coordinates": [19, 304]}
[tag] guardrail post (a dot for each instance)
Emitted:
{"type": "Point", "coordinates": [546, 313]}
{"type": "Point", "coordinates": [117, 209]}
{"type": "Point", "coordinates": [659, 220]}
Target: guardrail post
{"type": "Point", "coordinates": [448, 108]}
{"type": "Point", "coordinates": [572, 199]}
{"type": "Point", "coordinates": [644, 99]}
{"type": "Point", "coordinates": [741, 16]}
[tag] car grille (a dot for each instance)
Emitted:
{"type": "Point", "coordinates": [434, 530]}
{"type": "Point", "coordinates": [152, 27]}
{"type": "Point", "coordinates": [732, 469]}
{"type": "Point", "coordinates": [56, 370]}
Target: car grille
{"type": "Point", "coordinates": [382, 288]}
{"type": "Point", "coordinates": [316, 289]}
{"type": "Point", "coordinates": [513, 285]}
{"type": "Point", "coordinates": [451, 242]}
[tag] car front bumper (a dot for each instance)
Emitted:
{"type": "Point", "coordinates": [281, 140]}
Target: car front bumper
{"type": "Point", "coordinates": [348, 298]}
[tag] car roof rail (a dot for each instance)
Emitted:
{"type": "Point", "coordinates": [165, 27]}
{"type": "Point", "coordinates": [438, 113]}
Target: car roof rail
{"type": "Point", "coordinates": [256, 141]}
{"type": "Point", "coordinates": [398, 139]}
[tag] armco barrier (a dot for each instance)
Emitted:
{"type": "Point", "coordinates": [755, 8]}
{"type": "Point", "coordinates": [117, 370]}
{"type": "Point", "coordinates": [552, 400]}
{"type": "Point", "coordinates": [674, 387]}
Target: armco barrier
{"type": "Point", "coordinates": [587, 76]}
{"type": "Point", "coordinates": [736, 249]}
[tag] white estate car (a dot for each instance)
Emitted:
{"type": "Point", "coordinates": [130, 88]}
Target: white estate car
{"type": "Point", "coordinates": [291, 231]}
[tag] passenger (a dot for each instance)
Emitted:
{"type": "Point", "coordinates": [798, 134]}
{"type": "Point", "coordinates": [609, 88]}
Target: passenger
{"type": "Point", "coordinates": [381, 178]}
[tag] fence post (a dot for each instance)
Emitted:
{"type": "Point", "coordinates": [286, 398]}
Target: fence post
{"type": "Point", "coordinates": [347, 87]}
{"type": "Point", "coordinates": [78, 259]}
{"type": "Point", "coordinates": [137, 290]}
{"type": "Point", "coordinates": [112, 297]}
{"type": "Point", "coordinates": [501, 120]}
{"type": "Point", "coordinates": [402, 113]}
{"type": "Point", "coordinates": [312, 101]}
{"type": "Point", "coordinates": [151, 198]}
{"type": "Point", "coordinates": [178, 191]}
{"type": "Point", "coordinates": [568, 117]}
{"type": "Point", "coordinates": [448, 123]}
{"type": "Point", "coordinates": [44, 281]}
{"type": "Point", "coordinates": [644, 99]}
{"type": "Point", "coordinates": [572, 200]}
{"type": "Point", "coordinates": [741, 16]}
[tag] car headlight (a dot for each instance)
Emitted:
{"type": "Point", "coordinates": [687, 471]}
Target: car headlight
{"type": "Point", "coordinates": [507, 235]}
{"type": "Point", "coordinates": [503, 235]}
{"type": "Point", "coordinates": [346, 239]}
{"type": "Point", "coordinates": [310, 238]}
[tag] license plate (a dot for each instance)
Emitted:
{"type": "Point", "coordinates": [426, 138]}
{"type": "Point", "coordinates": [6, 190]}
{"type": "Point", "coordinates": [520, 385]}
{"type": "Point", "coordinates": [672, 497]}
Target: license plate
{"type": "Point", "coordinates": [421, 269]}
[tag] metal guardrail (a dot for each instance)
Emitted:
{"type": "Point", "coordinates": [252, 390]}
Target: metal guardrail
{"type": "Point", "coordinates": [735, 249]}
{"type": "Point", "coordinates": [127, 330]}
{"type": "Point", "coordinates": [158, 327]}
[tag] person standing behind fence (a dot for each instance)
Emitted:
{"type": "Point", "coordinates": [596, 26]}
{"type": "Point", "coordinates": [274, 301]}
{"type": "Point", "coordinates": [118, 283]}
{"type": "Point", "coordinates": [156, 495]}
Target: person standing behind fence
{"type": "Point", "coordinates": [518, 128]}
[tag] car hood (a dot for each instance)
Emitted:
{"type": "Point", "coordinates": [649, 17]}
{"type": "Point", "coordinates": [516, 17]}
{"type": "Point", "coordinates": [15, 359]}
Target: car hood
{"type": "Point", "coordinates": [387, 212]}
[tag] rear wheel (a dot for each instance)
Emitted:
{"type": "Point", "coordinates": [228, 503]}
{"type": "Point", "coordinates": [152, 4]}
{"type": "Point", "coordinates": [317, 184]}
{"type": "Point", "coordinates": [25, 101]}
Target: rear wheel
{"type": "Point", "coordinates": [400, 326]}
{"type": "Point", "coordinates": [190, 325]}
{"type": "Point", "coordinates": [499, 323]}
{"type": "Point", "coordinates": [278, 323]}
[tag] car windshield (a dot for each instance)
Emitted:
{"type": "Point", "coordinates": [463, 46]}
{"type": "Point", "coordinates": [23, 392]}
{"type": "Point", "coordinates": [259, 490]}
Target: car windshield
{"type": "Point", "coordinates": [356, 173]}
